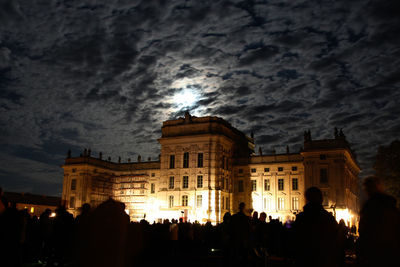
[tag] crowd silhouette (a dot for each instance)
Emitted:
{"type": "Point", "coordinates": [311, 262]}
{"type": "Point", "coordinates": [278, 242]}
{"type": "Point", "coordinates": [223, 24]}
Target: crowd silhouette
{"type": "Point", "coordinates": [104, 236]}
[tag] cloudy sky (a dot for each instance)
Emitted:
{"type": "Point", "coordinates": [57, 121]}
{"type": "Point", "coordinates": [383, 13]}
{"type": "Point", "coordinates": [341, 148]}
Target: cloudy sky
{"type": "Point", "coordinates": [105, 74]}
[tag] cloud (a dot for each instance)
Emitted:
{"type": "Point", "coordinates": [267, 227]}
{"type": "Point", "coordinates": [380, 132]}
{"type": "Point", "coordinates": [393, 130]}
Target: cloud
{"type": "Point", "coordinates": [104, 74]}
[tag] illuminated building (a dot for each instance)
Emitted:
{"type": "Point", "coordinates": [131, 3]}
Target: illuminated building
{"type": "Point", "coordinates": [34, 204]}
{"type": "Point", "coordinates": [207, 167]}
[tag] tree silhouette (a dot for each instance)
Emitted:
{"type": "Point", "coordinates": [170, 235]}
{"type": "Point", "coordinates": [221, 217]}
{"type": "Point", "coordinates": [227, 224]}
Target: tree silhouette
{"type": "Point", "coordinates": [387, 168]}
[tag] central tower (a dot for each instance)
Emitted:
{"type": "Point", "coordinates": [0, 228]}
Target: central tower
{"type": "Point", "coordinates": [196, 166]}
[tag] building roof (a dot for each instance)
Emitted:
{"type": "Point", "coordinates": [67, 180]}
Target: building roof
{"type": "Point", "coordinates": [27, 198]}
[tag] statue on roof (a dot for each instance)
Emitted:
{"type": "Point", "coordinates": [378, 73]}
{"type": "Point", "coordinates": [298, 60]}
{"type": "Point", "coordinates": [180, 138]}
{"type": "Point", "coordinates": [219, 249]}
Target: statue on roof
{"type": "Point", "coordinates": [287, 149]}
{"type": "Point", "coordinates": [69, 153]}
{"type": "Point", "coordinates": [307, 136]}
{"type": "Point", "coordinates": [336, 133]}
{"type": "Point", "coordinates": [260, 151]}
{"type": "Point", "coordinates": [188, 117]}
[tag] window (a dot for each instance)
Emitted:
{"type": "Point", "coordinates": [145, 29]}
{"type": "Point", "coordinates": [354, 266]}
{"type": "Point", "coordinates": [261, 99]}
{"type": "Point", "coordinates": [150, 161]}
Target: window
{"type": "Point", "coordinates": [32, 209]}
{"type": "Point", "coordinates": [223, 162]}
{"type": "Point", "coordinates": [295, 203]}
{"type": "Point", "coordinates": [227, 203]}
{"type": "Point", "coordinates": [227, 184]}
{"type": "Point", "coordinates": [325, 198]}
{"type": "Point", "coordinates": [200, 181]}
{"type": "Point", "coordinates": [253, 170]}
{"type": "Point", "coordinates": [280, 184]}
{"type": "Point", "coordinates": [200, 160]}
{"type": "Point", "coordinates": [323, 177]}
{"type": "Point", "coordinates": [267, 185]}
{"type": "Point", "coordinates": [222, 183]}
{"type": "Point", "coordinates": [153, 174]}
{"type": "Point", "coordinates": [171, 182]}
{"type": "Point", "coordinates": [294, 168]}
{"type": "Point", "coordinates": [222, 203]}
{"type": "Point", "coordinates": [280, 169]}
{"type": "Point", "coordinates": [240, 170]}
{"type": "Point", "coordinates": [295, 184]}
{"type": "Point", "coordinates": [281, 203]}
{"type": "Point", "coordinates": [72, 202]}
{"type": "Point", "coordinates": [253, 185]}
{"type": "Point", "coordinates": [186, 160]}
{"type": "Point", "coordinates": [185, 200]}
{"type": "Point", "coordinates": [171, 201]}
{"type": "Point", "coordinates": [267, 203]}
{"type": "Point", "coordinates": [185, 182]}
{"type": "Point", "coordinates": [199, 201]}
{"type": "Point", "coordinates": [172, 161]}
{"type": "Point", "coordinates": [141, 185]}
{"type": "Point", "coordinates": [73, 184]}
{"type": "Point", "coordinates": [322, 157]}
{"type": "Point", "coordinates": [240, 186]}
{"type": "Point", "coordinates": [153, 188]}
{"type": "Point", "coordinates": [266, 169]}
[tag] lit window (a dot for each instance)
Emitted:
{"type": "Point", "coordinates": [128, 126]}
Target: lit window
{"type": "Point", "coordinates": [171, 182]}
{"type": "Point", "coordinates": [32, 209]}
{"type": "Point", "coordinates": [325, 198]}
{"type": "Point", "coordinates": [72, 202]}
{"type": "Point", "coordinates": [186, 160]}
{"type": "Point", "coordinates": [267, 203]}
{"type": "Point", "coordinates": [200, 160]}
{"type": "Point", "coordinates": [240, 186]}
{"type": "Point", "coordinates": [199, 181]}
{"type": "Point", "coordinates": [281, 203]}
{"type": "Point", "coordinates": [199, 201]}
{"type": "Point", "coordinates": [253, 185]}
{"type": "Point", "coordinates": [280, 169]}
{"type": "Point", "coordinates": [185, 183]}
{"type": "Point", "coordinates": [73, 184]}
{"type": "Point", "coordinates": [253, 170]}
{"type": "Point", "coordinates": [295, 203]}
{"type": "Point", "coordinates": [294, 168]}
{"type": "Point", "coordinates": [323, 178]}
{"type": "Point", "coordinates": [185, 200]}
{"type": "Point", "coordinates": [171, 201]}
{"type": "Point", "coordinates": [266, 169]}
{"type": "Point", "coordinates": [267, 185]}
{"type": "Point", "coordinates": [172, 161]}
{"type": "Point", "coordinates": [153, 188]}
{"type": "Point", "coordinates": [280, 184]}
{"type": "Point", "coordinates": [295, 184]}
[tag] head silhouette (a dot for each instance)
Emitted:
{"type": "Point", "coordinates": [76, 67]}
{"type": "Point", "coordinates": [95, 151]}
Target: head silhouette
{"type": "Point", "coordinates": [372, 185]}
{"type": "Point", "coordinates": [314, 195]}
{"type": "Point", "coordinates": [242, 205]}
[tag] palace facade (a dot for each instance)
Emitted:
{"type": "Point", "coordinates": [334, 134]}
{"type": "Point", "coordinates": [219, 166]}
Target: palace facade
{"type": "Point", "coordinates": [207, 167]}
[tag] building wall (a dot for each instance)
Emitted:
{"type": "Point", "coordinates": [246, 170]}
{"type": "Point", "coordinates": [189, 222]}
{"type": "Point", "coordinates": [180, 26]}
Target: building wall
{"type": "Point", "coordinates": [228, 161]}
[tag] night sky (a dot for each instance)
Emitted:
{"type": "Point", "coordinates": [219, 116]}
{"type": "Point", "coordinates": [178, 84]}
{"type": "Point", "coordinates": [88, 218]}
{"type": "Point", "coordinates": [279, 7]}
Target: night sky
{"type": "Point", "coordinates": [105, 74]}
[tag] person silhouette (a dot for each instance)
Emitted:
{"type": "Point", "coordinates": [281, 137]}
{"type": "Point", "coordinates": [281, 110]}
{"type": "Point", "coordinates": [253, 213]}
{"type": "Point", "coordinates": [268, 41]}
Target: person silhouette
{"type": "Point", "coordinates": [315, 233]}
{"type": "Point", "coordinates": [241, 236]}
{"type": "Point", "coordinates": [379, 240]}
